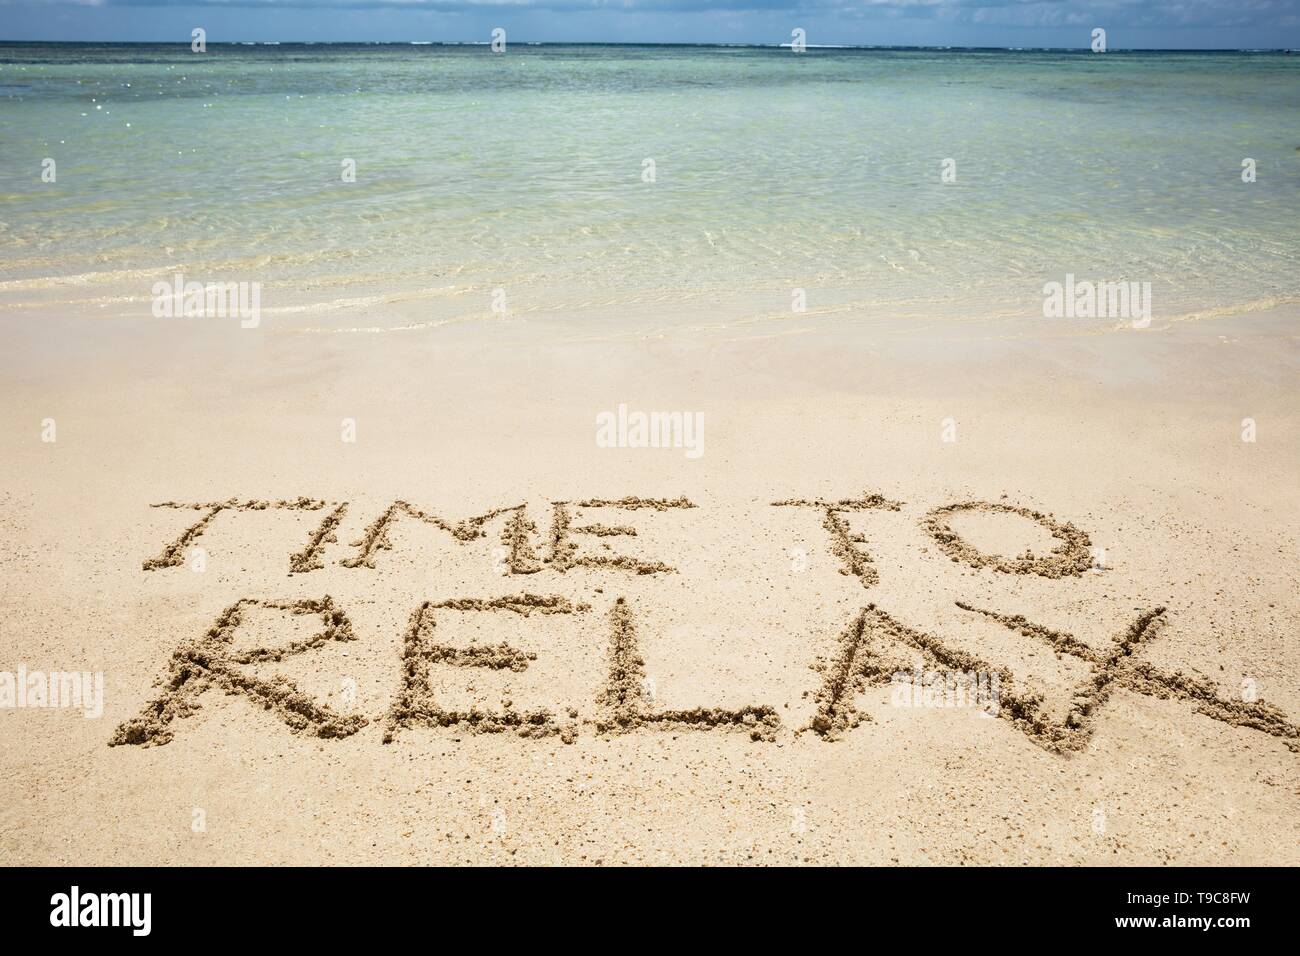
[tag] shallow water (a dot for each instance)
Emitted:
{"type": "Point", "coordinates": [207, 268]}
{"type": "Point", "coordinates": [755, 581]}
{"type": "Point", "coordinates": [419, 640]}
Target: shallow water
{"type": "Point", "coordinates": [524, 172]}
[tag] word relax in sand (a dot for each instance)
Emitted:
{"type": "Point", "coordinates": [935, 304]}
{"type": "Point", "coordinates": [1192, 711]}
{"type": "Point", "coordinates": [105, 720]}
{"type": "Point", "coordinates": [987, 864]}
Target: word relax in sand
{"type": "Point", "coordinates": [872, 648]}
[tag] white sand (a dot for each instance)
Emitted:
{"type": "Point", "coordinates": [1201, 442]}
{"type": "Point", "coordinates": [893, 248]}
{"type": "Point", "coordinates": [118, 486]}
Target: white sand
{"type": "Point", "coordinates": [1133, 437]}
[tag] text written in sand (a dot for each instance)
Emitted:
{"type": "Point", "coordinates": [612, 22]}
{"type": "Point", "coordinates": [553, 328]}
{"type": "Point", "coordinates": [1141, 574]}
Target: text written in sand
{"type": "Point", "coordinates": [873, 648]}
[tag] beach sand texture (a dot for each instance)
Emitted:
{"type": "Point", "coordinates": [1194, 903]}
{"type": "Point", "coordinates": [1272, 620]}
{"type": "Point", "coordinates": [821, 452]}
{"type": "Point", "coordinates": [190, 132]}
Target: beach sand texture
{"type": "Point", "coordinates": [619, 678]}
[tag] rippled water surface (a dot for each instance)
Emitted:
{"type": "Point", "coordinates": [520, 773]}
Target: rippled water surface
{"type": "Point", "coordinates": [525, 172]}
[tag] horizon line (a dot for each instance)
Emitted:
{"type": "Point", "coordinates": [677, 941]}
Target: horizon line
{"type": "Point", "coordinates": [624, 43]}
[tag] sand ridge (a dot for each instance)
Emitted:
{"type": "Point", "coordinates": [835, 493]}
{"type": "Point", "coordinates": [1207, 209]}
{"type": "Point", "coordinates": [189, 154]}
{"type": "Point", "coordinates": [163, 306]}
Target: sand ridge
{"type": "Point", "coordinates": [415, 704]}
{"type": "Point", "coordinates": [1071, 557]}
{"type": "Point", "coordinates": [207, 663]}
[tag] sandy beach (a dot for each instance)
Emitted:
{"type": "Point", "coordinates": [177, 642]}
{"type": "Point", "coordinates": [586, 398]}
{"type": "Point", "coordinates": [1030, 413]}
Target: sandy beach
{"type": "Point", "coordinates": [616, 655]}
{"type": "Point", "coordinates": [632, 453]}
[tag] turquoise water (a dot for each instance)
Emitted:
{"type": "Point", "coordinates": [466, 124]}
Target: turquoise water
{"type": "Point", "coordinates": [523, 172]}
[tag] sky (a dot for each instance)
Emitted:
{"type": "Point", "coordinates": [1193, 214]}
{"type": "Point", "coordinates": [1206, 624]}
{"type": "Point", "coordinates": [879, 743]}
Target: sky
{"type": "Point", "coordinates": [1172, 24]}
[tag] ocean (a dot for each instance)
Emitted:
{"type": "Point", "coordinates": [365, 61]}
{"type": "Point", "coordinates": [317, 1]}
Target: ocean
{"type": "Point", "coordinates": [644, 189]}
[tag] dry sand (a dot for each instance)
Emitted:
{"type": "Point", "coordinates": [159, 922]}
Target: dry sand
{"type": "Point", "coordinates": [622, 679]}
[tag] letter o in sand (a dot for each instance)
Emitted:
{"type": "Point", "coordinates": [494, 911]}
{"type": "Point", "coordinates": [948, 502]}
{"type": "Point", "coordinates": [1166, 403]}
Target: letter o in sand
{"type": "Point", "coordinates": [1070, 558]}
